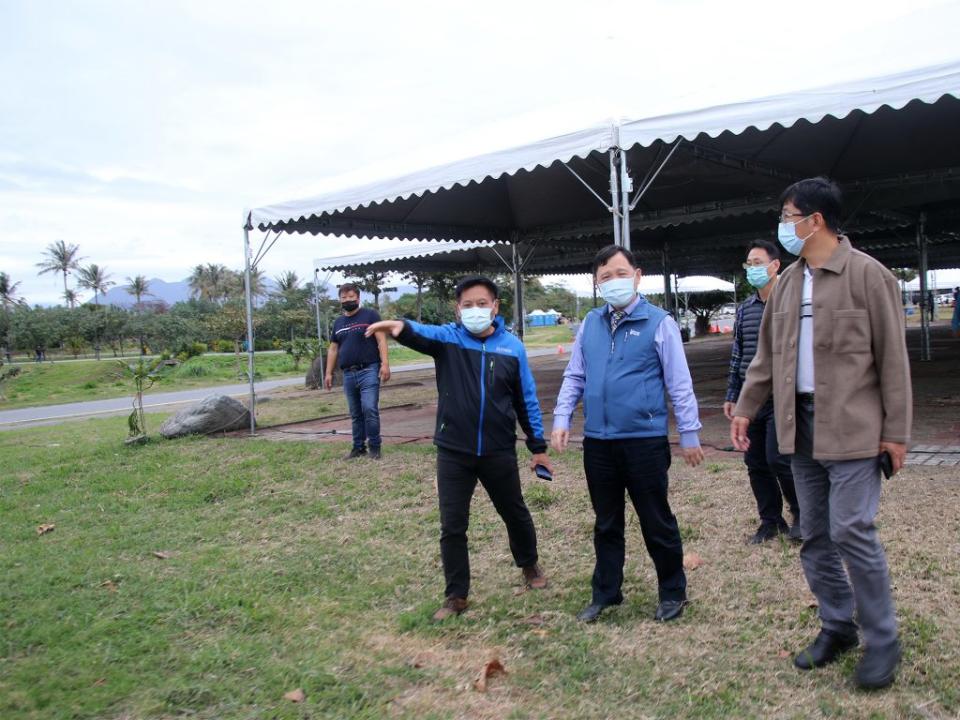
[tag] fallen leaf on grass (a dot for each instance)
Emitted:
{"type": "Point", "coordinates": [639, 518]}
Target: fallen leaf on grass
{"type": "Point", "coordinates": [783, 654]}
{"type": "Point", "coordinates": [44, 529]}
{"type": "Point", "coordinates": [519, 590]}
{"type": "Point", "coordinates": [295, 696]}
{"type": "Point", "coordinates": [99, 681]}
{"type": "Point", "coordinates": [691, 561]}
{"type": "Point", "coordinates": [109, 585]}
{"type": "Point", "coordinates": [161, 554]}
{"type": "Point", "coordinates": [535, 619]}
{"type": "Point", "coordinates": [494, 667]}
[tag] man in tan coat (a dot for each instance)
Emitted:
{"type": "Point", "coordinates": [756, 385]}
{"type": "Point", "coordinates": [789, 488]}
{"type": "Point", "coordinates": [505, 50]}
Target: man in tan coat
{"type": "Point", "coordinates": [832, 352]}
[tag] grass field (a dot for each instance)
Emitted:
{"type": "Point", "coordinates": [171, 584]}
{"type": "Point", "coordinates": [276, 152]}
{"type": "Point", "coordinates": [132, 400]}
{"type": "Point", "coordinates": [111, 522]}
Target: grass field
{"type": "Point", "coordinates": [76, 381]}
{"type": "Point", "coordinates": [208, 577]}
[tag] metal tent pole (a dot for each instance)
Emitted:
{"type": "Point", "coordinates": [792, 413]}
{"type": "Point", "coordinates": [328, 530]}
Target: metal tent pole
{"type": "Point", "coordinates": [613, 197]}
{"type": "Point", "coordinates": [249, 299]}
{"type": "Point", "coordinates": [667, 290]}
{"type": "Point", "coordinates": [625, 187]}
{"type": "Point", "coordinates": [518, 323]}
{"type": "Point", "coordinates": [924, 317]}
{"type": "Point", "coordinates": [316, 307]}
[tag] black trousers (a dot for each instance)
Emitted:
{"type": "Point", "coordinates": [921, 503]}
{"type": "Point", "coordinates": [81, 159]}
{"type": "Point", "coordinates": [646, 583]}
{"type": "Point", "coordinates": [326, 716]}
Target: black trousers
{"type": "Point", "coordinates": [457, 475]}
{"type": "Point", "coordinates": [771, 478]}
{"type": "Point", "coordinates": [638, 466]}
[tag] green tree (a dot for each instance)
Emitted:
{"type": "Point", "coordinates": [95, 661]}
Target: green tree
{"type": "Point", "coordinates": [9, 299]}
{"type": "Point", "coordinates": [703, 305]}
{"type": "Point", "coordinates": [137, 286]}
{"type": "Point", "coordinates": [60, 258]}
{"type": "Point", "coordinates": [96, 278]}
{"type": "Point", "coordinates": [372, 282]}
{"type": "Point", "coordinates": [420, 280]}
{"type": "Point", "coordinates": [71, 297]}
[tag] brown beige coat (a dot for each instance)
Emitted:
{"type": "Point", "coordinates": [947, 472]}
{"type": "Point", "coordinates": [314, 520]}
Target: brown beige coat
{"type": "Point", "coordinates": [860, 364]}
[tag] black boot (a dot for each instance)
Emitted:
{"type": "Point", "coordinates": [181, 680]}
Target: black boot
{"type": "Point", "coordinates": [825, 649]}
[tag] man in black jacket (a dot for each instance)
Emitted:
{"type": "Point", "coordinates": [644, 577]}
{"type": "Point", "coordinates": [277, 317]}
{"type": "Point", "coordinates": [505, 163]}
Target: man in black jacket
{"type": "Point", "coordinates": [770, 476]}
{"type": "Point", "coordinates": [484, 388]}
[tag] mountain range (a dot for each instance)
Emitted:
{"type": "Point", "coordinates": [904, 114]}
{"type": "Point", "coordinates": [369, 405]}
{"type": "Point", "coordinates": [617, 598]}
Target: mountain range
{"type": "Point", "coordinates": [179, 291]}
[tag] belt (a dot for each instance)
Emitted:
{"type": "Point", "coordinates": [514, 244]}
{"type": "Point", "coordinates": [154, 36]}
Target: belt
{"type": "Point", "coordinates": [805, 398]}
{"type": "Point", "coordinates": [358, 366]}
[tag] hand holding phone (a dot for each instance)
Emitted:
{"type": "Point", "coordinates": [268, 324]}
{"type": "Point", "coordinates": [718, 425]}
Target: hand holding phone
{"type": "Point", "coordinates": [543, 473]}
{"type": "Point", "coordinates": [886, 464]}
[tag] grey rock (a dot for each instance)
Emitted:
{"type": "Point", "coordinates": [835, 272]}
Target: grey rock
{"type": "Point", "coordinates": [215, 413]}
{"type": "Point", "coordinates": [314, 380]}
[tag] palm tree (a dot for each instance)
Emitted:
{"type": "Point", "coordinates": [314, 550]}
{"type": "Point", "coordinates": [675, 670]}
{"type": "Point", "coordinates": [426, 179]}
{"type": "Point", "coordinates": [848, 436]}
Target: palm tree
{"type": "Point", "coordinates": [8, 299]}
{"type": "Point", "coordinates": [287, 284]}
{"type": "Point", "coordinates": [420, 280]}
{"type": "Point", "coordinates": [138, 287]}
{"type": "Point", "coordinates": [372, 282]}
{"type": "Point", "coordinates": [8, 293]}
{"type": "Point", "coordinates": [61, 258]}
{"type": "Point", "coordinates": [96, 278]}
{"type": "Point", "coordinates": [72, 297]}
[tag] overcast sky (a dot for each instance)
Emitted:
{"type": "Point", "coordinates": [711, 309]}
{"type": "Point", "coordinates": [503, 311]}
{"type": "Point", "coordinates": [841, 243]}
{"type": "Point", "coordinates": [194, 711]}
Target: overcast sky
{"type": "Point", "coordinates": [141, 130]}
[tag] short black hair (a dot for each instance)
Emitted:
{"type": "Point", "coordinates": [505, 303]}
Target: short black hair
{"type": "Point", "coordinates": [474, 280]}
{"type": "Point", "coordinates": [605, 253]}
{"type": "Point", "coordinates": [772, 251]}
{"type": "Point", "coordinates": [348, 287]}
{"type": "Point", "coordinates": [817, 194]}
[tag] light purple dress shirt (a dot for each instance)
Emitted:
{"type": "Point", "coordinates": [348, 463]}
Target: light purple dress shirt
{"type": "Point", "coordinates": [676, 378]}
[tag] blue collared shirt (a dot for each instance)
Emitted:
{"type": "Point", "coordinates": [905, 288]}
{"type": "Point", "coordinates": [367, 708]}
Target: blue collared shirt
{"type": "Point", "coordinates": [676, 378]}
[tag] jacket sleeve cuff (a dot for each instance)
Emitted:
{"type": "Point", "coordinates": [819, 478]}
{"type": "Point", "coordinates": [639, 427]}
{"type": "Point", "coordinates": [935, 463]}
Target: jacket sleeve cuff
{"type": "Point", "coordinates": [690, 439]}
{"type": "Point", "coordinates": [746, 408]}
{"type": "Point", "coordinates": [561, 422]}
{"type": "Point", "coordinates": [536, 445]}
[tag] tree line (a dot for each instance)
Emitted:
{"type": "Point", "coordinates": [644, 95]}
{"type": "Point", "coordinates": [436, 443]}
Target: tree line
{"type": "Point", "coordinates": [214, 318]}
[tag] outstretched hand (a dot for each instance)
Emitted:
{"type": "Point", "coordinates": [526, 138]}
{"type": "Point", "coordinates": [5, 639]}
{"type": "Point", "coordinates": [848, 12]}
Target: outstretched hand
{"type": "Point", "coordinates": [394, 327]}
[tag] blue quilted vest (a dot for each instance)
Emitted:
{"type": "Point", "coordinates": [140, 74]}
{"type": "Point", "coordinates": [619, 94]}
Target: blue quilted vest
{"type": "Point", "coordinates": [624, 395]}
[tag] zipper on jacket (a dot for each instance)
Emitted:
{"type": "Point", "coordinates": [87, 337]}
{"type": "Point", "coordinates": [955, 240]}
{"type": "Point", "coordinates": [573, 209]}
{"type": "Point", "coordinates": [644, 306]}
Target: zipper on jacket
{"type": "Point", "coordinates": [483, 392]}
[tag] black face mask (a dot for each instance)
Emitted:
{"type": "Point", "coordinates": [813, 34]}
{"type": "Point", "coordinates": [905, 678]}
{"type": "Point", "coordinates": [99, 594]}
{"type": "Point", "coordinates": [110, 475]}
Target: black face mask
{"type": "Point", "coordinates": [349, 305]}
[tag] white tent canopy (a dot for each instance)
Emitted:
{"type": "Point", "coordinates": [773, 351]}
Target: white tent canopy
{"type": "Point", "coordinates": [936, 280]}
{"type": "Point", "coordinates": [891, 142]}
{"type": "Point", "coordinates": [653, 284]}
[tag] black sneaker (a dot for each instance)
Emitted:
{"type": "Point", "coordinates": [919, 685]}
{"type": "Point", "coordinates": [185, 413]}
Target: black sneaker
{"type": "Point", "coordinates": [374, 453]}
{"type": "Point", "coordinates": [825, 649]}
{"type": "Point", "coordinates": [355, 453]}
{"type": "Point", "coordinates": [795, 534]}
{"type": "Point", "coordinates": [768, 531]}
{"type": "Point", "coordinates": [878, 666]}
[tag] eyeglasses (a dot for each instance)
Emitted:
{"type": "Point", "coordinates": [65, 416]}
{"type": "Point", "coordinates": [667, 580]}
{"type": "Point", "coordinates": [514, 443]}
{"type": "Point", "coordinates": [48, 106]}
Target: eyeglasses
{"type": "Point", "coordinates": [784, 216]}
{"type": "Point", "coordinates": [759, 263]}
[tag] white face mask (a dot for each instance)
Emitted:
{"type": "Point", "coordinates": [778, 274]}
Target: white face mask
{"type": "Point", "coordinates": [476, 319]}
{"type": "Point", "coordinates": [787, 235]}
{"type": "Point", "coordinates": [618, 291]}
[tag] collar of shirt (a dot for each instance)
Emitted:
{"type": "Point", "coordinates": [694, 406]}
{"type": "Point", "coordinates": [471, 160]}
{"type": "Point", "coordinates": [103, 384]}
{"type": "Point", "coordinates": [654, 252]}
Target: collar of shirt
{"type": "Point", "coordinates": [629, 308]}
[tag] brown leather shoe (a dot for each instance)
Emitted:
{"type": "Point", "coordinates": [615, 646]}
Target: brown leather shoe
{"type": "Point", "coordinates": [451, 606]}
{"type": "Point", "coordinates": [534, 577]}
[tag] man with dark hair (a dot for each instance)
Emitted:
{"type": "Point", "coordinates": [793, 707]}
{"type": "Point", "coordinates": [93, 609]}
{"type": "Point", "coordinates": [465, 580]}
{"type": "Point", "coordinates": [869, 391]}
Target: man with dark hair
{"type": "Point", "coordinates": [832, 351]}
{"type": "Point", "coordinates": [627, 357]}
{"type": "Point", "coordinates": [484, 388]}
{"type": "Point", "coordinates": [365, 364]}
{"type": "Point", "coordinates": [770, 477]}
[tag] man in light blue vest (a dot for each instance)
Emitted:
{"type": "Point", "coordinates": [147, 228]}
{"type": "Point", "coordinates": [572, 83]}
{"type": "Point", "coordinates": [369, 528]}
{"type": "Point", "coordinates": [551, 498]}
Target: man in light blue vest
{"type": "Point", "coordinates": [627, 357]}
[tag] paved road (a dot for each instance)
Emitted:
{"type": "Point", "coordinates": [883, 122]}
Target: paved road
{"type": "Point", "coordinates": [53, 414]}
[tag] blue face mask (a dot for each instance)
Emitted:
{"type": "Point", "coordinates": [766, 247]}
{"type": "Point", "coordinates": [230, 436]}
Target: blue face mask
{"type": "Point", "coordinates": [476, 319]}
{"type": "Point", "coordinates": [618, 292]}
{"type": "Point", "coordinates": [787, 235]}
{"type": "Point", "coordinates": [757, 275]}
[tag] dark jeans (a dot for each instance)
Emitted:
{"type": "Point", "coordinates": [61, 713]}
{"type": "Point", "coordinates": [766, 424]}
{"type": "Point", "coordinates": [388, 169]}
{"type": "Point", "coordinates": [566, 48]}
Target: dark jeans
{"type": "Point", "coordinates": [362, 388]}
{"type": "Point", "coordinates": [639, 467]}
{"type": "Point", "coordinates": [457, 475]}
{"type": "Point", "coordinates": [771, 478]}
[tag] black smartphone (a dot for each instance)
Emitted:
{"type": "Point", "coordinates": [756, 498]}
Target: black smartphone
{"type": "Point", "coordinates": [886, 464]}
{"type": "Point", "coordinates": [542, 472]}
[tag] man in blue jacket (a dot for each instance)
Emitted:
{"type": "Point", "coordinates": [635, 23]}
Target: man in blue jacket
{"type": "Point", "coordinates": [484, 388]}
{"type": "Point", "coordinates": [627, 357]}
